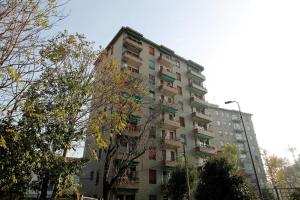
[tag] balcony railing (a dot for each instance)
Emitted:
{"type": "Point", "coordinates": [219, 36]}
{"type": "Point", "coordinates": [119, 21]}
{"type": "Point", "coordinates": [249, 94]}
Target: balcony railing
{"type": "Point", "coordinates": [167, 75]}
{"type": "Point", "coordinates": [133, 130]}
{"type": "Point", "coordinates": [170, 124]}
{"type": "Point", "coordinates": [206, 150]}
{"type": "Point", "coordinates": [166, 60]}
{"type": "Point", "coordinates": [128, 182]}
{"type": "Point", "coordinates": [198, 88]}
{"type": "Point", "coordinates": [132, 59]}
{"type": "Point", "coordinates": [133, 42]}
{"type": "Point", "coordinates": [199, 103]}
{"type": "Point", "coordinates": [205, 134]}
{"type": "Point", "coordinates": [171, 143]}
{"type": "Point", "coordinates": [200, 117]}
{"type": "Point", "coordinates": [196, 76]}
{"type": "Point", "coordinates": [168, 90]}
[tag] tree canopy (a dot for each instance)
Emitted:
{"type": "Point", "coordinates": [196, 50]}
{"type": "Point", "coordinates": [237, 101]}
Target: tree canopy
{"type": "Point", "coordinates": [217, 182]}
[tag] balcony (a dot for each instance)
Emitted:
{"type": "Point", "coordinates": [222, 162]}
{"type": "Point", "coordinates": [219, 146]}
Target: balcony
{"type": "Point", "coordinates": [205, 150]}
{"type": "Point", "coordinates": [166, 61]}
{"type": "Point", "coordinates": [169, 163]}
{"type": "Point", "coordinates": [170, 124]}
{"type": "Point", "coordinates": [205, 134]}
{"type": "Point", "coordinates": [171, 143]}
{"type": "Point", "coordinates": [168, 90]}
{"type": "Point", "coordinates": [124, 154]}
{"type": "Point", "coordinates": [133, 131]}
{"type": "Point", "coordinates": [128, 182]}
{"type": "Point", "coordinates": [132, 42]}
{"type": "Point", "coordinates": [167, 75]}
{"type": "Point", "coordinates": [199, 103]}
{"type": "Point", "coordinates": [134, 118]}
{"type": "Point", "coordinates": [198, 89]}
{"type": "Point", "coordinates": [132, 59]}
{"type": "Point", "coordinates": [201, 118]}
{"type": "Point", "coordinates": [195, 76]}
{"type": "Point", "coordinates": [168, 107]}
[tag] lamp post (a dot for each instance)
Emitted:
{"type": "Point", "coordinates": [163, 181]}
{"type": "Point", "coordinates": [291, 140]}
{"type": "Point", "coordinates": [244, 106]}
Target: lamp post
{"type": "Point", "coordinates": [252, 161]}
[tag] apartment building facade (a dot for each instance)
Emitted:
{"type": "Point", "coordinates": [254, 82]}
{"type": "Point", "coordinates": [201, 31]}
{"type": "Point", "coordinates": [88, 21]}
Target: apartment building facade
{"type": "Point", "coordinates": [177, 84]}
{"type": "Point", "coordinates": [228, 129]}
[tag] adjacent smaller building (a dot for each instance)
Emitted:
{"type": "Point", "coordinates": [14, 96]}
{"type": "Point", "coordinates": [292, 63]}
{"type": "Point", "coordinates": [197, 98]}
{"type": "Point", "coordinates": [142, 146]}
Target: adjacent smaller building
{"type": "Point", "coordinates": [228, 129]}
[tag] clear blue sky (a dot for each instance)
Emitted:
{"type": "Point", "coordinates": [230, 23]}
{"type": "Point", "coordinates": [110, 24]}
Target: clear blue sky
{"type": "Point", "coordinates": [250, 51]}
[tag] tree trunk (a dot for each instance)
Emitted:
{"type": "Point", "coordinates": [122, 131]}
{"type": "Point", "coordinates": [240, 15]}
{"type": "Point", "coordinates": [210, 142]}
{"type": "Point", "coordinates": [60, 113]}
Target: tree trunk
{"type": "Point", "coordinates": [54, 193]}
{"type": "Point", "coordinates": [106, 189]}
{"type": "Point", "coordinates": [45, 183]}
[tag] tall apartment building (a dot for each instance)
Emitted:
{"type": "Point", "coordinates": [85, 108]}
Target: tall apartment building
{"type": "Point", "coordinates": [228, 129]}
{"type": "Point", "coordinates": [177, 83]}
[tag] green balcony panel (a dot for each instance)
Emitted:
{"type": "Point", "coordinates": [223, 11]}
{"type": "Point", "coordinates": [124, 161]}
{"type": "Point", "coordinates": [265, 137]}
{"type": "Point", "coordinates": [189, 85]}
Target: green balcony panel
{"type": "Point", "coordinates": [196, 76]}
{"type": "Point", "coordinates": [169, 169]}
{"type": "Point", "coordinates": [203, 136]}
{"type": "Point", "coordinates": [169, 109]}
{"type": "Point", "coordinates": [198, 89]}
{"type": "Point", "coordinates": [133, 118]}
{"type": "Point", "coordinates": [137, 99]}
{"type": "Point", "coordinates": [166, 77]}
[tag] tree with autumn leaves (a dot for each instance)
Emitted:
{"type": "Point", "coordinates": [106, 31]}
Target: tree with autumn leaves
{"type": "Point", "coordinates": [281, 173]}
{"type": "Point", "coordinates": [53, 94]}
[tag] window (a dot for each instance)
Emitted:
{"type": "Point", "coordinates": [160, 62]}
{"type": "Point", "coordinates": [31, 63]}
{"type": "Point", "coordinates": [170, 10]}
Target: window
{"type": "Point", "coordinates": [92, 175]}
{"type": "Point", "coordinates": [183, 137]}
{"type": "Point", "coordinates": [152, 197]}
{"type": "Point", "coordinates": [151, 79]}
{"type": "Point", "coordinates": [152, 153]}
{"type": "Point", "coordinates": [134, 70]}
{"type": "Point", "coordinates": [152, 176]}
{"type": "Point", "coordinates": [218, 123]}
{"type": "Point", "coordinates": [181, 120]}
{"type": "Point", "coordinates": [111, 50]}
{"type": "Point", "coordinates": [172, 135]}
{"type": "Point", "coordinates": [180, 105]}
{"type": "Point", "coordinates": [151, 64]}
{"type": "Point", "coordinates": [152, 94]}
{"type": "Point", "coordinates": [163, 134]}
{"type": "Point", "coordinates": [172, 156]}
{"type": "Point", "coordinates": [217, 113]}
{"type": "Point", "coordinates": [151, 51]}
{"type": "Point", "coordinates": [243, 156]}
{"type": "Point", "coordinates": [99, 153]}
{"type": "Point", "coordinates": [164, 154]}
{"type": "Point", "coordinates": [178, 76]}
{"type": "Point", "coordinates": [152, 133]}
{"type": "Point", "coordinates": [179, 90]}
{"type": "Point", "coordinates": [97, 178]}
{"type": "Point", "coordinates": [178, 63]}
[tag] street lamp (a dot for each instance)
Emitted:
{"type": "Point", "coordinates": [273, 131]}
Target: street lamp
{"type": "Point", "coordinates": [252, 161]}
